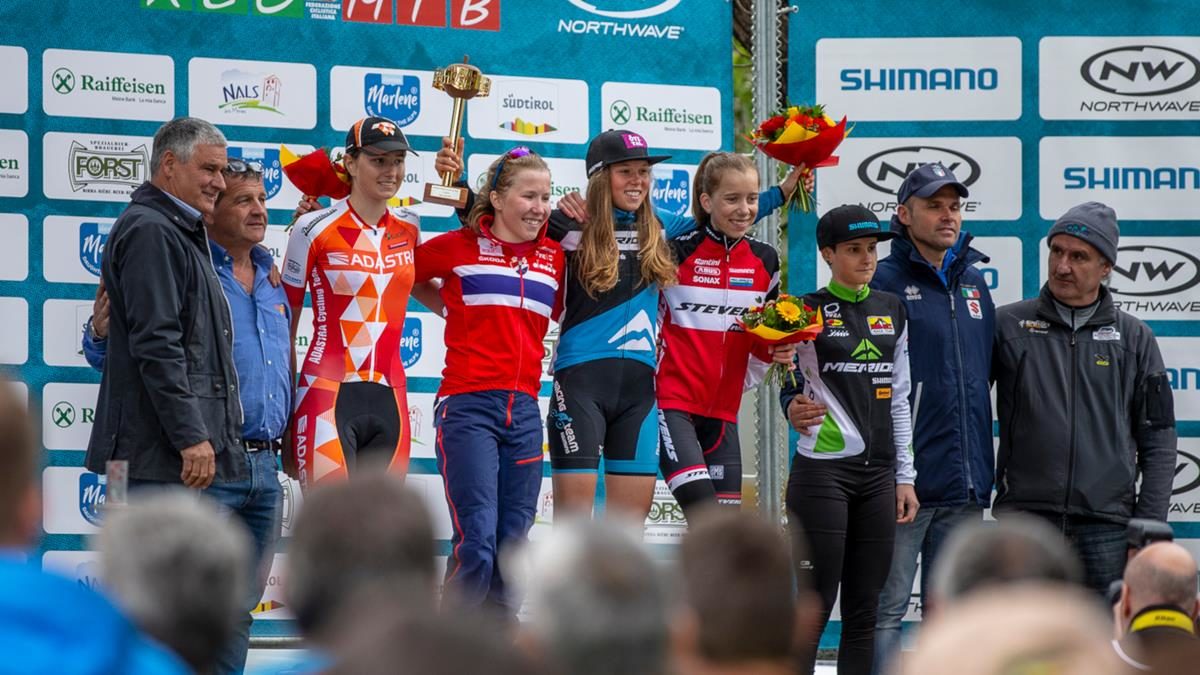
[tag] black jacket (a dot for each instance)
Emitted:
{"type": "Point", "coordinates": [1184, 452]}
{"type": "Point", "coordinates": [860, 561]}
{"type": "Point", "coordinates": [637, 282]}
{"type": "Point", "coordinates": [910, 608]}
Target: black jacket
{"type": "Point", "coordinates": [1082, 413]}
{"type": "Point", "coordinates": [169, 382]}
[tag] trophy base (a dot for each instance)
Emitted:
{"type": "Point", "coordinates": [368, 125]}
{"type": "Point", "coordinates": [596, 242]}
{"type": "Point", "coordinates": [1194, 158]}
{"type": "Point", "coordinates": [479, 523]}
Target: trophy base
{"type": "Point", "coordinates": [448, 195]}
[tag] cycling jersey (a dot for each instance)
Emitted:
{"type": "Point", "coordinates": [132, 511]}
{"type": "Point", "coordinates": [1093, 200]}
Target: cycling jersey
{"type": "Point", "coordinates": [705, 353]}
{"type": "Point", "coordinates": [499, 304]}
{"type": "Point", "coordinates": [361, 276]}
{"type": "Point", "coordinates": [858, 368]}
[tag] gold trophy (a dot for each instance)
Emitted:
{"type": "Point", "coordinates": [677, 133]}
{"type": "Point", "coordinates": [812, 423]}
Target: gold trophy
{"type": "Point", "coordinates": [461, 81]}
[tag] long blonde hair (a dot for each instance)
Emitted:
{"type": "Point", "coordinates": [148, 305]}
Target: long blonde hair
{"type": "Point", "coordinates": [596, 260]}
{"type": "Point", "coordinates": [508, 173]}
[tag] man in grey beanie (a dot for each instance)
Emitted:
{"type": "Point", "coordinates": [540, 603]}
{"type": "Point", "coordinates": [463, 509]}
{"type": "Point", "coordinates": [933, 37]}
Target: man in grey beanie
{"type": "Point", "coordinates": [1083, 400]}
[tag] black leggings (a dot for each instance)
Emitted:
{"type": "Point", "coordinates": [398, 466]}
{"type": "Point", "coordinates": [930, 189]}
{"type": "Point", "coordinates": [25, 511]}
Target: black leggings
{"type": "Point", "coordinates": [848, 513]}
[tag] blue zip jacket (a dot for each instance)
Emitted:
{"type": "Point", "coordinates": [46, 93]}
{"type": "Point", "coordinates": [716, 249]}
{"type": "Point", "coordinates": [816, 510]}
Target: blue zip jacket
{"type": "Point", "coordinates": [51, 624]}
{"type": "Point", "coordinates": [951, 325]}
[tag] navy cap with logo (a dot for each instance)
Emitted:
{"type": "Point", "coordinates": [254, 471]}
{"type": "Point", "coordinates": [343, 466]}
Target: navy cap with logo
{"type": "Point", "coordinates": [846, 222]}
{"type": "Point", "coordinates": [377, 133]}
{"type": "Point", "coordinates": [618, 145]}
{"type": "Point", "coordinates": [924, 181]}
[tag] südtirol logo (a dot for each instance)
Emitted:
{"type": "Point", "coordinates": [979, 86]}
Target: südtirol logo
{"type": "Point", "coordinates": [103, 163]}
{"type": "Point", "coordinates": [92, 237]}
{"type": "Point", "coordinates": [528, 107]}
{"type": "Point", "coordinates": [866, 351]}
{"type": "Point", "coordinates": [396, 97]}
{"type": "Point", "coordinates": [241, 90]}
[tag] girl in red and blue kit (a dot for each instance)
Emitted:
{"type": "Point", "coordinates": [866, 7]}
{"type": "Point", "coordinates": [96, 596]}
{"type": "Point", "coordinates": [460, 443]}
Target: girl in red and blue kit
{"type": "Point", "coordinates": [501, 286]}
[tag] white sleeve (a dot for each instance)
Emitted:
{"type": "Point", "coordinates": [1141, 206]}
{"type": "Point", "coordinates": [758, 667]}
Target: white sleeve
{"type": "Point", "coordinates": [901, 416]}
{"type": "Point", "coordinates": [756, 370]}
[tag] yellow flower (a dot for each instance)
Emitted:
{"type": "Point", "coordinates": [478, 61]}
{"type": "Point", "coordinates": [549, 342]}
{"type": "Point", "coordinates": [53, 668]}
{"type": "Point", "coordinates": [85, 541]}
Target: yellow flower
{"type": "Point", "coordinates": [788, 311]}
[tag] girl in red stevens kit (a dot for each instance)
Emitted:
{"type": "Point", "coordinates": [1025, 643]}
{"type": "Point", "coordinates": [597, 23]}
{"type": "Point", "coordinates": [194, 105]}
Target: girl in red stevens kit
{"type": "Point", "coordinates": [501, 286]}
{"type": "Point", "coordinates": [707, 361]}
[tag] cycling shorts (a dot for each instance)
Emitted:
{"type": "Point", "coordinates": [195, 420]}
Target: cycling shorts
{"type": "Point", "coordinates": [700, 458]}
{"type": "Point", "coordinates": [604, 407]}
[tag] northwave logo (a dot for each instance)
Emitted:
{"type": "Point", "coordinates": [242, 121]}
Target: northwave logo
{"type": "Point", "coordinates": [1141, 70]}
{"type": "Point", "coordinates": [886, 170]}
{"type": "Point", "coordinates": [614, 9]}
{"type": "Point", "coordinates": [1154, 270]}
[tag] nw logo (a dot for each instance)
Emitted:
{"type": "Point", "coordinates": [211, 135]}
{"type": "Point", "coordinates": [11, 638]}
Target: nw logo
{"type": "Point", "coordinates": [1156, 270]}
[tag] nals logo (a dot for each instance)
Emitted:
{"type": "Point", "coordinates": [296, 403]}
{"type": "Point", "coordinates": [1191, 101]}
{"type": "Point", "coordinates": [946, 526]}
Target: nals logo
{"type": "Point", "coordinates": [1154, 270]}
{"type": "Point", "coordinates": [92, 492]}
{"type": "Point", "coordinates": [92, 237]}
{"type": "Point", "coordinates": [410, 341]}
{"type": "Point", "coordinates": [1141, 70]}
{"type": "Point", "coordinates": [672, 193]}
{"type": "Point", "coordinates": [268, 159]}
{"type": "Point", "coordinates": [106, 164]}
{"type": "Point", "coordinates": [242, 91]}
{"type": "Point", "coordinates": [886, 170]}
{"type": "Point", "coordinates": [396, 97]}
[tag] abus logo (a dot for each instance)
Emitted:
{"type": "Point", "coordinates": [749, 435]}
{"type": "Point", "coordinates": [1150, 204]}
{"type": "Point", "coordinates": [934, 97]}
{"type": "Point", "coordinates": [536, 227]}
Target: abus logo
{"type": "Point", "coordinates": [1141, 70]}
{"type": "Point", "coordinates": [1187, 473]}
{"type": "Point", "coordinates": [885, 171]}
{"type": "Point", "coordinates": [615, 9]}
{"type": "Point", "coordinates": [1154, 270]}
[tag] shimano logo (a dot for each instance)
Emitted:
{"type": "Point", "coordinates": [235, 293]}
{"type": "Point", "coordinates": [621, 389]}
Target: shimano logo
{"type": "Point", "coordinates": [886, 170]}
{"type": "Point", "coordinates": [1141, 70]}
{"type": "Point", "coordinates": [919, 79]}
{"type": "Point", "coordinates": [1131, 178]}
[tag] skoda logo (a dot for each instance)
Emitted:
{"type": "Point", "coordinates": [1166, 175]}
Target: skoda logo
{"type": "Point", "coordinates": [885, 171]}
{"type": "Point", "coordinates": [1141, 70]}
{"type": "Point", "coordinates": [616, 9]}
{"type": "Point", "coordinates": [63, 414]}
{"type": "Point", "coordinates": [63, 81]}
{"type": "Point", "coordinates": [619, 112]}
{"type": "Point", "coordinates": [1187, 473]}
{"type": "Point", "coordinates": [1154, 270]}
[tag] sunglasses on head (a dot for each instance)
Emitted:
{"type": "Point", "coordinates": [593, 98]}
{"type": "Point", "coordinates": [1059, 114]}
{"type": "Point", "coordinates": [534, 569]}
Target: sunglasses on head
{"type": "Point", "coordinates": [241, 167]}
{"type": "Point", "coordinates": [519, 151]}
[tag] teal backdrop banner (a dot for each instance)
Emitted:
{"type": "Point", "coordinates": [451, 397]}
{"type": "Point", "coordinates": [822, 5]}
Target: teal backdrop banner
{"type": "Point", "coordinates": [84, 86]}
{"type": "Point", "coordinates": [1036, 107]}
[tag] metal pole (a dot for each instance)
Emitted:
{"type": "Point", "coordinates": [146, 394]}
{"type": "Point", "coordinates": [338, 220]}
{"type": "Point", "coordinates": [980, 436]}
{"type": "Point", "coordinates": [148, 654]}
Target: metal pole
{"type": "Point", "coordinates": [767, 90]}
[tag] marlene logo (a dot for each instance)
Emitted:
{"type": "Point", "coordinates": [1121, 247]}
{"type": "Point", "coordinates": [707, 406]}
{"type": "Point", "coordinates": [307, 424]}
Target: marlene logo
{"type": "Point", "coordinates": [1141, 70]}
{"type": "Point", "coordinates": [885, 171]}
{"type": "Point", "coordinates": [615, 10]}
{"type": "Point", "coordinates": [1154, 271]}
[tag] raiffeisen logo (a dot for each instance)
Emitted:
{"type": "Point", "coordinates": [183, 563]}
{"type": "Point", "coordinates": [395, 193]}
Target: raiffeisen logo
{"type": "Point", "coordinates": [1141, 70]}
{"type": "Point", "coordinates": [919, 79]}
{"type": "Point", "coordinates": [1131, 178]}
{"type": "Point", "coordinates": [623, 18]}
{"type": "Point", "coordinates": [64, 81]}
{"type": "Point", "coordinates": [620, 112]}
{"type": "Point", "coordinates": [396, 97]}
{"type": "Point", "coordinates": [241, 90]}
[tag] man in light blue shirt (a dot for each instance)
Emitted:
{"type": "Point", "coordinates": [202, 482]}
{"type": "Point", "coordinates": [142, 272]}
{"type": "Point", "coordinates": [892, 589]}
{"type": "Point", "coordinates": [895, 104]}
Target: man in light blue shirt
{"type": "Point", "coordinates": [262, 360]}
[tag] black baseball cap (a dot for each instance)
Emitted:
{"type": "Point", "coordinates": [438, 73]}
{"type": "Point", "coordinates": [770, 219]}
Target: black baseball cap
{"type": "Point", "coordinates": [379, 134]}
{"type": "Point", "coordinates": [618, 145]}
{"type": "Point", "coordinates": [927, 179]}
{"type": "Point", "coordinates": [846, 222]}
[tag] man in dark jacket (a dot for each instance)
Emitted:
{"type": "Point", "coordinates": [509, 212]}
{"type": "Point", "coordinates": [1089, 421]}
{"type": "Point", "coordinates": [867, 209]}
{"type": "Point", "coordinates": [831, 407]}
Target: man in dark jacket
{"type": "Point", "coordinates": [1083, 400]}
{"type": "Point", "coordinates": [168, 399]}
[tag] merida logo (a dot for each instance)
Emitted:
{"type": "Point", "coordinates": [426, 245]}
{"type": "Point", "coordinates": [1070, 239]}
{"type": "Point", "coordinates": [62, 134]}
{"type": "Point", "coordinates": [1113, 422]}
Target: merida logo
{"type": "Point", "coordinates": [866, 351]}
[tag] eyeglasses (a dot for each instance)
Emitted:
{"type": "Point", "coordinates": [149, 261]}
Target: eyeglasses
{"type": "Point", "coordinates": [519, 151]}
{"type": "Point", "coordinates": [240, 167]}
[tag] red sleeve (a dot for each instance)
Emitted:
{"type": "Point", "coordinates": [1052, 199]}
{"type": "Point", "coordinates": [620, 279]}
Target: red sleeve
{"type": "Point", "coordinates": [435, 257]}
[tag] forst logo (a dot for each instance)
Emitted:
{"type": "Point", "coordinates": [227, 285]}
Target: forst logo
{"type": "Point", "coordinates": [884, 171]}
{"type": "Point", "coordinates": [92, 237]}
{"type": "Point", "coordinates": [1154, 270]}
{"type": "Point", "coordinates": [672, 193]}
{"type": "Point", "coordinates": [92, 493]}
{"type": "Point", "coordinates": [410, 341]}
{"type": "Point", "coordinates": [107, 167]}
{"type": "Point", "coordinates": [396, 97]}
{"type": "Point", "coordinates": [268, 158]}
{"type": "Point", "coordinates": [1141, 70]}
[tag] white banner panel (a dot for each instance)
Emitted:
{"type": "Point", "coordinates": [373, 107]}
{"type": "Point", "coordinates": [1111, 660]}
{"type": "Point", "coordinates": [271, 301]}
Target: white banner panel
{"type": "Point", "coordinates": [530, 109]}
{"type": "Point", "coordinates": [108, 85]}
{"type": "Point", "coordinates": [253, 93]}
{"type": "Point", "coordinates": [669, 116]}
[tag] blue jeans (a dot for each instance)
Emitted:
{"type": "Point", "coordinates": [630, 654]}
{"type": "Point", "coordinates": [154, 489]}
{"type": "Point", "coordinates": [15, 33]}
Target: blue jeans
{"type": "Point", "coordinates": [925, 536]}
{"type": "Point", "coordinates": [1101, 546]}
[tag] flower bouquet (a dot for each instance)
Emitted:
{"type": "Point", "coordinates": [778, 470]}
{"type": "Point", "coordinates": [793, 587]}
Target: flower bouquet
{"type": "Point", "coordinates": [783, 321]}
{"type": "Point", "coordinates": [801, 135]}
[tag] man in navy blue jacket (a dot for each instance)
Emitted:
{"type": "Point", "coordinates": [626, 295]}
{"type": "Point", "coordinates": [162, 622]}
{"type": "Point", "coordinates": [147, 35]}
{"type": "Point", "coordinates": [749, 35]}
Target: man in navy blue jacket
{"type": "Point", "coordinates": [950, 322]}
